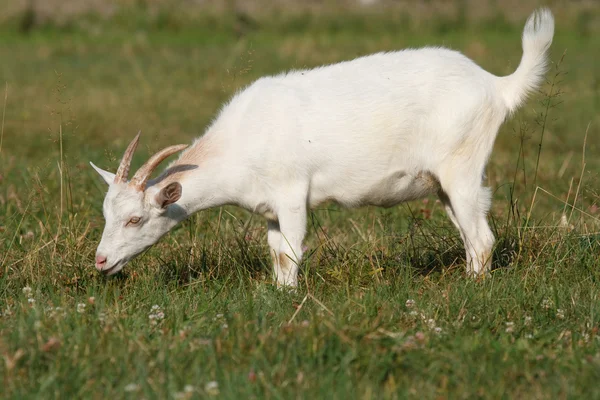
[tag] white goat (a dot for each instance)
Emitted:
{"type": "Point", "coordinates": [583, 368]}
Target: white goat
{"type": "Point", "coordinates": [377, 130]}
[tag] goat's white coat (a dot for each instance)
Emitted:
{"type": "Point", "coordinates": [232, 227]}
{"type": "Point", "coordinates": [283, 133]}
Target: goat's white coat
{"type": "Point", "coordinates": [377, 130]}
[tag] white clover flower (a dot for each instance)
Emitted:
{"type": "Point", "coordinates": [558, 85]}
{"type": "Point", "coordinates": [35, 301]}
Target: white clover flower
{"type": "Point", "coordinates": [431, 323]}
{"type": "Point", "coordinates": [410, 303]}
{"type": "Point", "coordinates": [53, 312]}
{"type": "Point", "coordinates": [560, 314]}
{"type": "Point", "coordinates": [188, 388]}
{"type": "Point", "coordinates": [187, 393]}
{"type": "Point", "coordinates": [26, 291]}
{"type": "Point", "coordinates": [437, 330]}
{"type": "Point", "coordinates": [547, 304]}
{"type": "Point", "coordinates": [586, 337]}
{"type": "Point", "coordinates": [413, 313]}
{"type": "Point", "coordinates": [212, 388]}
{"type": "Point", "coordinates": [510, 327]}
{"type": "Point", "coordinates": [156, 315]}
{"type": "Point", "coordinates": [131, 387]}
{"type": "Point", "coordinates": [31, 301]}
{"type": "Point", "coordinates": [80, 308]}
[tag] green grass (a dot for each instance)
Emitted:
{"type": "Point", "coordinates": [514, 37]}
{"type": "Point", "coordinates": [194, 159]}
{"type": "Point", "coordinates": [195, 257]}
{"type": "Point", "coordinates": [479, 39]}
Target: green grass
{"type": "Point", "coordinates": [349, 331]}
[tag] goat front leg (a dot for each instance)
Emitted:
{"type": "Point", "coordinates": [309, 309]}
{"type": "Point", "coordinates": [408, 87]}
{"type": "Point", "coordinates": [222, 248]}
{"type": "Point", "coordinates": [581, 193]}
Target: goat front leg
{"type": "Point", "coordinates": [285, 238]}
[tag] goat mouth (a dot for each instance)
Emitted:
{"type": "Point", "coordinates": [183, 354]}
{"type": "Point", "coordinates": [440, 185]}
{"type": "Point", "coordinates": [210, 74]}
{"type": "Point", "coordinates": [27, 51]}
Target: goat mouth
{"type": "Point", "coordinates": [112, 270]}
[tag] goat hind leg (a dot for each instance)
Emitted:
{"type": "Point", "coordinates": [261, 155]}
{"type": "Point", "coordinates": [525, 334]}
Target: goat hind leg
{"type": "Point", "coordinates": [468, 210]}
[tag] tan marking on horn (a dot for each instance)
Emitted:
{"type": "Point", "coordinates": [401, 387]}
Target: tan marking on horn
{"type": "Point", "coordinates": [123, 171]}
{"type": "Point", "coordinates": [141, 176]}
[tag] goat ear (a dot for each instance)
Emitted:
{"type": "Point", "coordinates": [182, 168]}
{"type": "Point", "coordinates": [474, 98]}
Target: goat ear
{"type": "Point", "coordinates": [108, 177]}
{"type": "Point", "coordinates": [169, 194]}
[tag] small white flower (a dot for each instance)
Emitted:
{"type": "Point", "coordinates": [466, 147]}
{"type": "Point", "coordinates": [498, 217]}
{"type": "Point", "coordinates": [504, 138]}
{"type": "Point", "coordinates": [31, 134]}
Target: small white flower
{"type": "Point", "coordinates": [224, 326]}
{"type": "Point", "coordinates": [102, 317]}
{"type": "Point", "coordinates": [431, 323]}
{"type": "Point", "coordinates": [410, 303]}
{"type": "Point", "coordinates": [510, 327]}
{"type": "Point", "coordinates": [156, 315]}
{"type": "Point", "coordinates": [55, 312]}
{"type": "Point", "coordinates": [437, 330]}
{"type": "Point", "coordinates": [413, 313]}
{"type": "Point", "coordinates": [132, 387]}
{"type": "Point", "coordinates": [31, 301]}
{"type": "Point", "coordinates": [80, 308]}
{"type": "Point", "coordinates": [527, 320]}
{"type": "Point", "coordinates": [586, 337]}
{"type": "Point", "coordinates": [27, 291]}
{"type": "Point", "coordinates": [219, 316]}
{"type": "Point", "coordinates": [188, 388]}
{"type": "Point", "coordinates": [212, 388]}
{"type": "Point", "coordinates": [560, 314]}
{"type": "Point", "coordinates": [547, 304]}
{"type": "Point", "coordinates": [529, 336]}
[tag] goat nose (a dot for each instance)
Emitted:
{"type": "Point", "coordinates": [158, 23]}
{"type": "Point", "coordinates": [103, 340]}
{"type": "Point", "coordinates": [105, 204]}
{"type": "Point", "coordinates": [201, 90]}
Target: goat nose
{"type": "Point", "coordinates": [100, 262]}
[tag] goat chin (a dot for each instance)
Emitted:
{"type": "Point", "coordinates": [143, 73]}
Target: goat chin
{"type": "Point", "coordinates": [377, 130]}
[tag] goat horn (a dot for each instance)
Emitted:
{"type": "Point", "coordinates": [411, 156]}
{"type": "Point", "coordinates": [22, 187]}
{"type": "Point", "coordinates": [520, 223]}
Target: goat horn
{"type": "Point", "coordinates": [123, 171]}
{"type": "Point", "coordinates": [141, 176]}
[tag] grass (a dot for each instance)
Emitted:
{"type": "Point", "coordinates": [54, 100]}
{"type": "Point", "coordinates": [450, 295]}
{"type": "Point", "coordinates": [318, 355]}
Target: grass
{"type": "Point", "coordinates": [383, 309]}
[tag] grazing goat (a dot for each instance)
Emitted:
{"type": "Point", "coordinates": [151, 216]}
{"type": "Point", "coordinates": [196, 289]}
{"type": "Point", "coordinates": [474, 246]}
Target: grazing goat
{"type": "Point", "coordinates": [378, 130]}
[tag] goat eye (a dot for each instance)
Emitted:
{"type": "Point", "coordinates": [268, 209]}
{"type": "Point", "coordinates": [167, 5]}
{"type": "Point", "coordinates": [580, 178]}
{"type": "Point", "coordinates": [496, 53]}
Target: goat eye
{"type": "Point", "coordinates": [133, 221]}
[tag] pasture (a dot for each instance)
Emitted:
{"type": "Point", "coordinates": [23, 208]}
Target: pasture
{"type": "Point", "coordinates": [383, 308]}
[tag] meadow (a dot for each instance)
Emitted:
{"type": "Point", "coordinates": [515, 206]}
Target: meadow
{"type": "Point", "coordinates": [383, 308]}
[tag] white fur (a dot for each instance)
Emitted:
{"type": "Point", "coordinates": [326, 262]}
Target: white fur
{"type": "Point", "coordinates": [377, 130]}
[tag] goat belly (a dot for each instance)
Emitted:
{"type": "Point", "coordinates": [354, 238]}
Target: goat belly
{"type": "Point", "coordinates": [393, 188]}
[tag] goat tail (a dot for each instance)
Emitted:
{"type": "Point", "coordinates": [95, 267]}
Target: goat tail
{"type": "Point", "coordinates": [537, 37]}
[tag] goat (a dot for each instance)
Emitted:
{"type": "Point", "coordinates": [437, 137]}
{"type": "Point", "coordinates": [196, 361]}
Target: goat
{"type": "Point", "coordinates": [378, 130]}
